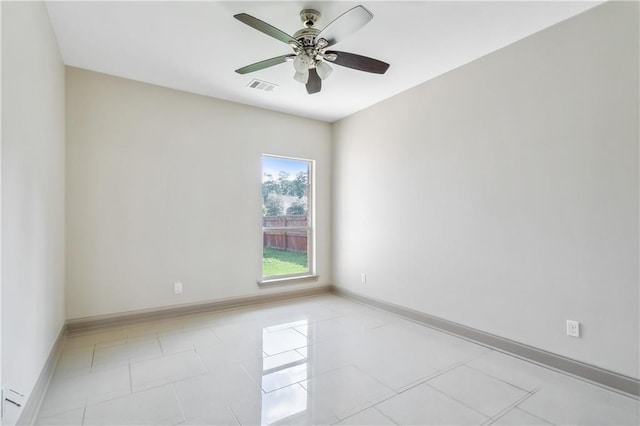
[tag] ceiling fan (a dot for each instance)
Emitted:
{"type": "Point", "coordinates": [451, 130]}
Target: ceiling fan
{"type": "Point", "coordinates": [311, 57]}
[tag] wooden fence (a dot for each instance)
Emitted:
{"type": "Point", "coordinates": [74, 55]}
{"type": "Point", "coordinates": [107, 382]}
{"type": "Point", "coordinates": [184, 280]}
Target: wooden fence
{"type": "Point", "coordinates": [295, 241]}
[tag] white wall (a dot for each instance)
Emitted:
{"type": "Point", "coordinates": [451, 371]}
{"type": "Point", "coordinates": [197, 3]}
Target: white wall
{"type": "Point", "coordinates": [504, 195]}
{"type": "Point", "coordinates": [1, 382]}
{"type": "Point", "coordinates": [33, 159]}
{"type": "Point", "coordinates": [164, 186]}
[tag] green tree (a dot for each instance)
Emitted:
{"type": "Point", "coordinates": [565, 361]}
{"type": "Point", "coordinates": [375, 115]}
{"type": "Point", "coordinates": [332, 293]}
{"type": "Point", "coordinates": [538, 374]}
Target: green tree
{"type": "Point", "coordinates": [286, 186]}
{"type": "Point", "coordinates": [300, 184]}
{"type": "Point", "coordinates": [269, 186]}
{"type": "Point", "coordinates": [273, 205]}
{"type": "Point", "coordinates": [297, 208]}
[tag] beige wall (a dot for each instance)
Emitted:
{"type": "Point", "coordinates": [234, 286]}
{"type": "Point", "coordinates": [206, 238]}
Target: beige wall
{"type": "Point", "coordinates": [164, 186]}
{"type": "Point", "coordinates": [504, 195]}
{"type": "Point", "coordinates": [33, 161]}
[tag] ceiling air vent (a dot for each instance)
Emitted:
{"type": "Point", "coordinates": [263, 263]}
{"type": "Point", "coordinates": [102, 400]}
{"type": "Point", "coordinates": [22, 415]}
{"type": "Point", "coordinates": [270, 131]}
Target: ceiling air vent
{"type": "Point", "coordinates": [262, 85]}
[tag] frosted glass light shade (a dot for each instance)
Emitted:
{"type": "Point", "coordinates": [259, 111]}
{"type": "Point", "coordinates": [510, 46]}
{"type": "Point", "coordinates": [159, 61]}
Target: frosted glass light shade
{"type": "Point", "coordinates": [301, 63]}
{"type": "Point", "coordinates": [302, 77]}
{"type": "Point", "coordinates": [324, 69]}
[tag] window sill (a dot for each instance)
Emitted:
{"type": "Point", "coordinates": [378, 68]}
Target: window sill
{"type": "Point", "coordinates": [287, 280]}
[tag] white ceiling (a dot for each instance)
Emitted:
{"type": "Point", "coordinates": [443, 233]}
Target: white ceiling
{"type": "Point", "coordinates": [196, 46]}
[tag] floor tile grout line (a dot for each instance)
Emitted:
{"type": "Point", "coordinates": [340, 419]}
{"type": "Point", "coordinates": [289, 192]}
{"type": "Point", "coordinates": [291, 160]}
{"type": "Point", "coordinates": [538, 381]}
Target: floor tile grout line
{"type": "Point", "coordinates": [110, 398]}
{"type": "Point", "coordinates": [378, 403]}
{"type": "Point", "coordinates": [340, 367]}
{"type": "Point", "coordinates": [130, 378]}
{"type": "Point", "coordinates": [299, 382]}
{"type": "Point", "coordinates": [489, 421]}
{"type": "Point", "coordinates": [266, 355]}
{"type": "Point", "coordinates": [535, 415]}
{"type": "Point", "coordinates": [398, 393]}
{"type": "Point", "coordinates": [259, 385]}
{"type": "Point", "coordinates": [375, 379]}
{"type": "Point", "coordinates": [204, 364]}
{"type": "Point", "coordinates": [494, 377]}
{"type": "Point", "coordinates": [93, 357]}
{"type": "Point", "coordinates": [372, 406]}
{"type": "Point", "coordinates": [233, 413]}
{"type": "Point", "coordinates": [513, 405]}
{"type": "Point", "coordinates": [384, 415]}
{"type": "Point", "coordinates": [159, 385]}
{"type": "Point", "coordinates": [519, 401]}
{"type": "Point", "coordinates": [458, 401]}
{"type": "Point", "coordinates": [425, 379]}
{"type": "Point", "coordinates": [175, 393]}
{"type": "Point", "coordinates": [160, 344]}
{"type": "Point", "coordinates": [84, 414]}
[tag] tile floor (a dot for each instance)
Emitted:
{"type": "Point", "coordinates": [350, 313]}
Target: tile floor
{"type": "Point", "coordinates": [317, 360]}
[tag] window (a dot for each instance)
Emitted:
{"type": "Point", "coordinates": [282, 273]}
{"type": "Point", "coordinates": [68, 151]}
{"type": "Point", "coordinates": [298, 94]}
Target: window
{"type": "Point", "coordinates": [287, 217]}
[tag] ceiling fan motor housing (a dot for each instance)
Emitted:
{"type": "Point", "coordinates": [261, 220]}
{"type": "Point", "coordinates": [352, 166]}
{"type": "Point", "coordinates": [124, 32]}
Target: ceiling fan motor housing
{"type": "Point", "coordinates": [306, 36]}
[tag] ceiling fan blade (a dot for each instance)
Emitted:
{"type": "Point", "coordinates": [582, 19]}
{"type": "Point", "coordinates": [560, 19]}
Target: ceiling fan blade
{"type": "Point", "coordinates": [358, 62]}
{"type": "Point", "coordinates": [264, 64]}
{"type": "Point", "coordinates": [345, 25]}
{"type": "Point", "coordinates": [314, 84]}
{"type": "Point", "coordinates": [268, 29]}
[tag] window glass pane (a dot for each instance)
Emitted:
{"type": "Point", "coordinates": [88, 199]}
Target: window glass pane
{"type": "Point", "coordinates": [285, 253]}
{"type": "Point", "coordinates": [285, 208]}
{"type": "Point", "coordinates": [285, 191]}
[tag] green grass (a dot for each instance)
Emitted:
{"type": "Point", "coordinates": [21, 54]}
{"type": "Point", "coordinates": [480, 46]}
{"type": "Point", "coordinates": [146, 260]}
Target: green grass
{"type": "Point", "coordinates": [281, 262]}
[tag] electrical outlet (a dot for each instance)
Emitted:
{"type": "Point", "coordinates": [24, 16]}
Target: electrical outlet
{"type": "Point", "coordinates": [363, 278]}
{"type": "Point", "coordinates": [177, 287]}
{"type": "Point", "coordinates": [573, 328]}
{"type": "Point", "coordinates": [11, 397]}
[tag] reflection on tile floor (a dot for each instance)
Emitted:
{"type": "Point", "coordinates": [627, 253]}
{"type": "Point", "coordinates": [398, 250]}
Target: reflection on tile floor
{"type": "Point", "coordinates": [316, 360]}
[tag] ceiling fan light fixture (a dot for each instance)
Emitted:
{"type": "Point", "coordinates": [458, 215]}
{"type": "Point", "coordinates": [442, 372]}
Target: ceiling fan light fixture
{"type": "Point", "coordinates": [302, 77]}
{"type": "Point", "coordinates": [321, 43]}
{"type": "Point", "coordinates": [330, 56]}
{"type": "Point", "coordinates": [324, 70]}
{"type": "Point", "coordinates": [301, 63]}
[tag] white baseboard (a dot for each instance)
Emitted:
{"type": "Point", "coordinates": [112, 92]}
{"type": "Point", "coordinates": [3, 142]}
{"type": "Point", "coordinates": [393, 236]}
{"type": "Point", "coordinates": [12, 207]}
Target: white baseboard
{"type": "Point", "coordinates": [82, 324]}
{"type": "Point", "coordinates": [32, 406]}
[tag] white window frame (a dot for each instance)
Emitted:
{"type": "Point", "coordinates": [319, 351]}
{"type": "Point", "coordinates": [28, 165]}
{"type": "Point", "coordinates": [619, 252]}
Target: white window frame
{"type": "Point", "coordinates": [310, 228]}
